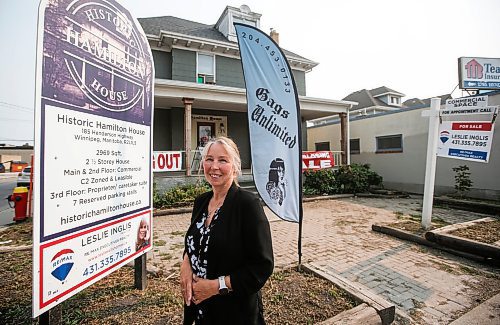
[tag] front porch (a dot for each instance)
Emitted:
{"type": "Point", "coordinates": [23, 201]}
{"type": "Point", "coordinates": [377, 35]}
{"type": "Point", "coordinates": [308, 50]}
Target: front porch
{"type": "Point", "coordinates": [186, 114]}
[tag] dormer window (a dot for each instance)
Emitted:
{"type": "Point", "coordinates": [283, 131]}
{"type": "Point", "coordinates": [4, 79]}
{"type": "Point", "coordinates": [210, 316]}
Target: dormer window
{"type": "Point", "coordinates": [231, 15]}
{"type": "Point", "coordinates": [395, 100]}
{"type": "Point", "coordinates": [205, 69]}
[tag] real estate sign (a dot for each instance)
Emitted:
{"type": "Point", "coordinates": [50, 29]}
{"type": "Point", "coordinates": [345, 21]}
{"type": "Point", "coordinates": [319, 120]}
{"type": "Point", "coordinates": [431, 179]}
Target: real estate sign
{"type": "Point", "coordinates": [94, 106]}
{"type": "Point", "coordinates": [479, 73]}
{"type": "Point", "coordinates": [167, 161]}
{"type": "Point", "coordinates": [465, 140]}
{"type": "Point", "coordinates": [315, 160]}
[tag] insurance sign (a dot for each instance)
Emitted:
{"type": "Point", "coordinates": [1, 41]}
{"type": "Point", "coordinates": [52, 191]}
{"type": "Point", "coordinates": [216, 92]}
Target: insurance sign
{"type": "Point", "coordinates": [93, 118]}
{"type": "Point", "coordinates": [479, 73]}
{"type": "Point", "coordinates": [465, 140]}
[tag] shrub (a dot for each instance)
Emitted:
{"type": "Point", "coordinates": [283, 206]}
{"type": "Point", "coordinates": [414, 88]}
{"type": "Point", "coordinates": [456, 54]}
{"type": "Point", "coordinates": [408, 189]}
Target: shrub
{"type": "Point", "coordinates": [320, 182]}
{"type": "Point", "coordinates": [179, 195]}
{"type": "Point", "coordinates": [463, 183]}
{"type": "Point", "coordinates": [347, 179]}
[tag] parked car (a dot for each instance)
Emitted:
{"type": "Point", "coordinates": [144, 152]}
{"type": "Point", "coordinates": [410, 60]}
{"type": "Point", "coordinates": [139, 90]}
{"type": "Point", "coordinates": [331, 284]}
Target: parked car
{"type": "Point", "coordinates": [23, 178]}
{"type": "Point", "coordinates": [2, 168]}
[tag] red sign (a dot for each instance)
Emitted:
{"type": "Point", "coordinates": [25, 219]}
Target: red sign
{"type": "Point", "coordinates": [477, 126]}
{"type": "Point", "coordinates": [317, 160]}
{"type": "Point", "coordinates": [167, 161]}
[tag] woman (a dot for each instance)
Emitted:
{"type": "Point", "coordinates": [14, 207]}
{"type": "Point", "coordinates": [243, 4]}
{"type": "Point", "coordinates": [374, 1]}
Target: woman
{"type": "Point", "coordinates": [142, 235]}
{"type": "Point", "coordinates": [228, 253]}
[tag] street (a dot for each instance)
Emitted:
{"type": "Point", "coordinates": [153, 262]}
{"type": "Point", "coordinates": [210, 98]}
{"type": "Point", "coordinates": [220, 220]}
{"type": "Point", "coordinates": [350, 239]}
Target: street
{"type": "Point", "coordinates": [6, 187]}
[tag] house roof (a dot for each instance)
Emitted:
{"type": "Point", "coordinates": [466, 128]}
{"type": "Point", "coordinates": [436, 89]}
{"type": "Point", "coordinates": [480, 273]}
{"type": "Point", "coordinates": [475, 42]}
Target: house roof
{"type": "Point", "coordinates": [417, 102]}
{"type": "Point", "coordinates": [155, 25]}
{"type": "Point", "coordinates": [364, 99]}
{"type": "Point", "coordinates": [384, 91]}
{"type": "Point", "coordinates": [369, 98]}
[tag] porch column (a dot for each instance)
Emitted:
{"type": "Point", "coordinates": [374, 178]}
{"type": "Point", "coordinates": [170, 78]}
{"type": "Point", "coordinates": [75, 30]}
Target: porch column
{"type": "Point", "coordinates": [188, 105]}
{"type": "Point", "coordinates": [343, 137]}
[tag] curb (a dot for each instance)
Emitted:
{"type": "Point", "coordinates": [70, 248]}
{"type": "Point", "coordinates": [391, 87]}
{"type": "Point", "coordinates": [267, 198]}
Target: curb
{"type": "Point", "coordinates": [385, 310]}
{"type": "Point", "coordinates": [401, 234]}
{"type": "Point", "coordinates": [482, 207]}
{"type": "Point", "coordinates": [486, 313]}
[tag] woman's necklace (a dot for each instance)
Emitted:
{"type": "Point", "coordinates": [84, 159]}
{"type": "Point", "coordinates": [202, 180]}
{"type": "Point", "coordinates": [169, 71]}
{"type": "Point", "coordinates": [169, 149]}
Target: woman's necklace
{"type": "Point", "coordinates": [217, 204]}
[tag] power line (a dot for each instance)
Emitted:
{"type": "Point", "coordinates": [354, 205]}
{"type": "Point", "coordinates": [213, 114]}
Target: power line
{"type": "Point", "coordinates": [16, 119]}
{"type": "Point", "coordinates": [15, 105]}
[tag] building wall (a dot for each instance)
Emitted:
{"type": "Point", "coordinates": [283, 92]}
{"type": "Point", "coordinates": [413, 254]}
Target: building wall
{"type": "Point", "coordinates": [163, 64]}
{"type": "Point", "coordinates": [7, 154]}
{"type": "Point", "coordinates": [300, 81]}
{"type": "Point", "coordinates": [183, 65]}
{"type": "Point", "coordinates": [406, 170]}
{"type": "Point", "coordinates": [228, 72]}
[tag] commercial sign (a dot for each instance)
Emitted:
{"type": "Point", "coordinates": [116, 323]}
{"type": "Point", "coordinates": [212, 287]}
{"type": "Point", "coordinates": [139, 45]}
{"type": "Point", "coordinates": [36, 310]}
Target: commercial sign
{"type": "Point", "coordinates": [167, 161]}
{"type": "Point", "coordinates": [315, 160]}
{"type": "Point", "coordinates": [479, 73]}
{"type": "Point", "coordinates": [465, 140]}
{"type": "Point", "coordinates": [467, 106]}
{"type": "Point", "coordinates": [93, 117]}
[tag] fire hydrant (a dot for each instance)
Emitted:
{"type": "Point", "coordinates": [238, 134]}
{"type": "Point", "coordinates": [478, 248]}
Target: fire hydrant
{"type": "Point", "coordinates": [20, 199]}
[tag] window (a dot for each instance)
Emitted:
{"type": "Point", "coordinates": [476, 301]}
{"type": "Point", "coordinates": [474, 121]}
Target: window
{"type": "Point", "coordinates": [206, 69]}
{"type": "Point", "coordinates": [354, 146]}
{"type": "Point", "coordinates": [394, 100]}
{"type": "Point", "coordinates": [322, 146]}
{"type": "Point", "coordinates": [390, 143]}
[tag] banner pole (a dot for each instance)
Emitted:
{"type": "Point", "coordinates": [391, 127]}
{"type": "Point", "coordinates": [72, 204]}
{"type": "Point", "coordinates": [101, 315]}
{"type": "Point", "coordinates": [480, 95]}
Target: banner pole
{"type": "Point", "coordinates": [300, 238]}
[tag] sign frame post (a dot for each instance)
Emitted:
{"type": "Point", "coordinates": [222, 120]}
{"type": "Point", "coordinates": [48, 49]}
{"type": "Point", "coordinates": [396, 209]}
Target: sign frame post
{"type": "Point", "coordinates": [431, 161]}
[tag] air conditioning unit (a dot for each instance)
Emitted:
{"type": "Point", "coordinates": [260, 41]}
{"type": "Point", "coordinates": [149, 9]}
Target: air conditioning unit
{"type": "Point", "coordinates": [209, 80]}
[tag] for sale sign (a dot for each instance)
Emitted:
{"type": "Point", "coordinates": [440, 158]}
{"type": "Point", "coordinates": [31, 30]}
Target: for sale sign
{"type": "Point", "coordinates": [93, 117]}
{"type": "Point", "coordinates": [317, 160]}
{"type": "Point", "coordinates": [167, 161]}
{"type": "Point", "coordinates": [465, 140]}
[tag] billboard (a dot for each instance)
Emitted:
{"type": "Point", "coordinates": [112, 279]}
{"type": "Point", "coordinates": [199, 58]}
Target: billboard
{"type": "Point", "coordinates": [93, 141]}
{"type": "Point", "coordinates": [479, 73]}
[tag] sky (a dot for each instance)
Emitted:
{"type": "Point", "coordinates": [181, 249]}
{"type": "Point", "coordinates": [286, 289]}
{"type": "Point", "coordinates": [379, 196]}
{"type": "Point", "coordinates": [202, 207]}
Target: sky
{"type": "Point", "coordinates": [409, 46]}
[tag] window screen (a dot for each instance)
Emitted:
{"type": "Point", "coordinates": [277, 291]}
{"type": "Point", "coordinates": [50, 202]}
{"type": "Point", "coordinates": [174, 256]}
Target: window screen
{"type": "Point", "coordinates": [390, 143]}
{"type": "Point", "coordinates": [322, 146]}
{"type": "Point", "coordinates": [205, 64]}
{"type": "Point", "coordinates": [354, 146]}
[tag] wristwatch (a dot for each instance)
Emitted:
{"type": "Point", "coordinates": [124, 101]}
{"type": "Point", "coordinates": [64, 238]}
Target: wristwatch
{"type": "Point", "coordinates": [223, 289]}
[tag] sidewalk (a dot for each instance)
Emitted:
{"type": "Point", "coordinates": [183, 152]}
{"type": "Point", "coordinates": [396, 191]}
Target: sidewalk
{"type": "Point", "coordinates": [426, 285]}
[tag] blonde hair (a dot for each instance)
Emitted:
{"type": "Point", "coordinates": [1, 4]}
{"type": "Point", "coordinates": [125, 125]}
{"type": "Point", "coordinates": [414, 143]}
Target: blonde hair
{"type": "Point", "coordinates": [232, 150]}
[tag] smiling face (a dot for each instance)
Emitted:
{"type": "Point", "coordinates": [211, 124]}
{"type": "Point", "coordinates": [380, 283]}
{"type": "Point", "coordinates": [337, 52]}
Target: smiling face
{"type": "Point", "coordinates": [218, 166]}
{"type": "Point", "coordinates": [143, 229]}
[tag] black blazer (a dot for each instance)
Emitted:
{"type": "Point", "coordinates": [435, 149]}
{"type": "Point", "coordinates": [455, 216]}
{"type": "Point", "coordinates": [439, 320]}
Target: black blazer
{"type": "Point", "coordinates": [240, 246]}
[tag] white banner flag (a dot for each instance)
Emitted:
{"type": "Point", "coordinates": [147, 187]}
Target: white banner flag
{"type": "Point", "coordinates": [274, 122]}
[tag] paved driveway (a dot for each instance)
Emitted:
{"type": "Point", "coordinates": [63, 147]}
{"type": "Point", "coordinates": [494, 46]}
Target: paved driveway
{"type": "Point", "coordinates": [426, 285]}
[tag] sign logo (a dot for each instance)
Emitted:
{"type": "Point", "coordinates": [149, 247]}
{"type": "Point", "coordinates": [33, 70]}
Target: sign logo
{"type": "Point", "coordinates": [444, 136]}
{"type": "Point", "coordinates": [62, 263]}
{"type": "Point", "coordinates": [474, 69]}
{"type": "Point", "coordinates": [98, 57]}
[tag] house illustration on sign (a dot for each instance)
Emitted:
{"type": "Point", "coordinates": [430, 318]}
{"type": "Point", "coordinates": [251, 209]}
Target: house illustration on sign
{"type": "Point", "coordinates": [474, 69]}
